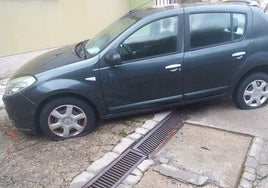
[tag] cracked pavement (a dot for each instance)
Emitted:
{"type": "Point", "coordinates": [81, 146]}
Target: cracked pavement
{"type": "Point", "coordinates": [34, 161]}
{"type": "Point", "coordinates": [261, 180]}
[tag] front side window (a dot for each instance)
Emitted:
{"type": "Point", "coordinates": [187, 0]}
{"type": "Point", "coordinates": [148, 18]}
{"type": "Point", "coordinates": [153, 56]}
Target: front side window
{"type": "Point", "coordinates": [157, 38]}
{"type": "Point", "coordinates": [209, 29]}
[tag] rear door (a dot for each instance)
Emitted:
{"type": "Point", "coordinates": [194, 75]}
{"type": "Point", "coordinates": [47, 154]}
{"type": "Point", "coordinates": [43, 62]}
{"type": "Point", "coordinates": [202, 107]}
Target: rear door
{"type": "Point", "coordinates": [216, 47]}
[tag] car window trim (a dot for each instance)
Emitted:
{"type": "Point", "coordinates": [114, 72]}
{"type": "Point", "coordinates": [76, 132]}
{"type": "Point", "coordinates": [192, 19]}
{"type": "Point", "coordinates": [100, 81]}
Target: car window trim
{"type": "Point", "coordinates": [187, 36]}
{"type": "Point", "coordinates": [179, 41]}
{"type": "Point", "coordinates": [246, 25]}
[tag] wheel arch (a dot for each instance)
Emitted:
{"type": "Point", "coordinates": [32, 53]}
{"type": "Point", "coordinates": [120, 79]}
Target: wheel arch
{"type": "Point", "coordinates": [241, 77]}
{"type": "Point", "coordinates": [59, 95]}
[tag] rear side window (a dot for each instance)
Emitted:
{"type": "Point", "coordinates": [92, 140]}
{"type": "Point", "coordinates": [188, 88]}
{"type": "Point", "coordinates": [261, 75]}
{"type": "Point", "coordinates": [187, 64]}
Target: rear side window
{"type": "Point", "coordinates": [209, 29]}
{"type": "Point", "coordinates": [239, 25]}
{"type": "Point", "coordinates": [214, 28]}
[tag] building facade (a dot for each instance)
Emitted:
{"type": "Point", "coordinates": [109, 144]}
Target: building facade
{"type": "Point", "coordinates": [28, 25]}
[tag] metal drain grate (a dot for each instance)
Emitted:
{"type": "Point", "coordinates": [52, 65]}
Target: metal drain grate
{"type": "Point", "coordinates": [160, 134]}
{"type": "Point", "coordinates": [117, 171]}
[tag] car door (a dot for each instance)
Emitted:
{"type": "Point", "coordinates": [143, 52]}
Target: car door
{"type": "Point", "coordinates": [217, 47]}
{"type": "Point", "coordinates": [149, 75]}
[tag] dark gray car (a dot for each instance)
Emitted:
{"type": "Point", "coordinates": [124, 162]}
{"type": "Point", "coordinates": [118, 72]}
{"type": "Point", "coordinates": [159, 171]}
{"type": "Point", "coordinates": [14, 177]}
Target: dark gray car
{"type": "Point", "coordinates": [149, 59]}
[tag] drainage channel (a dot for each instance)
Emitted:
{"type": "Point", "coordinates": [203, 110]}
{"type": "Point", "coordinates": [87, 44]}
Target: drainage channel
{"type": "Point", "coordinates": [120, 168]}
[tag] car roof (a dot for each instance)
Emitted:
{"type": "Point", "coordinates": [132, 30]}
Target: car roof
{"type": "Point", "coordinates": [228, 5]}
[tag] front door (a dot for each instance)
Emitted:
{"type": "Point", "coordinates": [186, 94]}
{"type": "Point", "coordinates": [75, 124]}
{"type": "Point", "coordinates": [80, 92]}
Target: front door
{"type": "Point", "coordinates": [149, 75]}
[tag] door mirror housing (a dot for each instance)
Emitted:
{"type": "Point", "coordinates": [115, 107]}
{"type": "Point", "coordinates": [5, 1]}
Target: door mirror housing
{"type": "Point", "coordinates": [113, 59]}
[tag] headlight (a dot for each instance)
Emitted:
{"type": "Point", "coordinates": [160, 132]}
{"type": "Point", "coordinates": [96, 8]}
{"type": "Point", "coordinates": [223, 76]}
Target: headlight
{"type": "Point", "coordinates": [16, 85]}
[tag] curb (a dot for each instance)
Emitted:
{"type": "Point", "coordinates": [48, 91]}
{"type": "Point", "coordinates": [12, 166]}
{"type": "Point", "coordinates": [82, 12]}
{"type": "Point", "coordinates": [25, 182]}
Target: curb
{"type": "Point", "coordinates": [136, 175]}
{"type": "Point", "coordinates": [255, 167]}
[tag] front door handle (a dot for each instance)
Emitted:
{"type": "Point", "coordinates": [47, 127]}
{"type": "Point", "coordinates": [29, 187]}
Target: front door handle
{"type": "Point", "coordinates": [173, 68]}
{"type": "Point", "coordinates": [239, 55]}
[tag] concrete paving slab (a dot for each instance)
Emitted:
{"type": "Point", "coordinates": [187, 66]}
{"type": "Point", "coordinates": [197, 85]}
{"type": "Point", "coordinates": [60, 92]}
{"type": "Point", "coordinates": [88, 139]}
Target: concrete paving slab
{"type": "Point", "coordinates": [225, 115]}
{"type": "Point", "coordinates": [156, 180]}
{"type": "Point", "coordinates": [216, 154]}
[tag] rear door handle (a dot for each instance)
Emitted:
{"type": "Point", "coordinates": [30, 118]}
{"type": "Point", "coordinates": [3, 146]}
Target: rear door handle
{"type": "Point", "coordinates": [173, 68]}
{"type": "Point", "coordinates": [239, 55]}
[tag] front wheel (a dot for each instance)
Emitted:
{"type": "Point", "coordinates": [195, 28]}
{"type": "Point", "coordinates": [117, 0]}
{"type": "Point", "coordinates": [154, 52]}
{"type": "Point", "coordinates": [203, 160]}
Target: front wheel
{"type": "Point", "coordinates": [252, 92]}
{"type": "Point", "coordinates": [66, 117]}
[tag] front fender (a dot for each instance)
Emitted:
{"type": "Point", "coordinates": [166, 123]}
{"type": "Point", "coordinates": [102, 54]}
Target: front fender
{"type": "Point", "coordinates": [59, 87]}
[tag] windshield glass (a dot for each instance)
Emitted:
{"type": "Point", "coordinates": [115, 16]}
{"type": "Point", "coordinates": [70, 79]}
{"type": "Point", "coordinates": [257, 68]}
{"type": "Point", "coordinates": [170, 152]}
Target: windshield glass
{"type": "Point", "coordinates": [103, 39]}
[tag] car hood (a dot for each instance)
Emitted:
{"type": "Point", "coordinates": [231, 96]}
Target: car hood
{"type": "Point", "coordinates": [51, 60]}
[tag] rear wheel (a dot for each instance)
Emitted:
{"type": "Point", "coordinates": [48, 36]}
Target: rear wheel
{"type": "Point", "coordinates": [66, 117]}
{"type": "Point", "coordinates": [252, 92]}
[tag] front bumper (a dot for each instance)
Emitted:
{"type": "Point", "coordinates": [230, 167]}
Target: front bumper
{"type": "Point", "coordinates": [21, 112]}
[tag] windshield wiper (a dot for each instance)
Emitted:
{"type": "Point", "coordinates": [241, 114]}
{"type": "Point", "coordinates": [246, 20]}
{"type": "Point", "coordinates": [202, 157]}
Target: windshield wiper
{"type": "Point", "coordinates": [80, 49]}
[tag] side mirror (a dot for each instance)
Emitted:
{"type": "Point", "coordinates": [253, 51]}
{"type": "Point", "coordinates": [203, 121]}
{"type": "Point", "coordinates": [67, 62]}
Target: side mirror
{"type": "Point", "coordinates": [113, 59]}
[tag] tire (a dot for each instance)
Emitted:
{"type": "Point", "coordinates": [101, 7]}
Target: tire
{"type": "Point", "coordinates": [66, 117]}
{"type": "Point", "coordinates": [252, 92]}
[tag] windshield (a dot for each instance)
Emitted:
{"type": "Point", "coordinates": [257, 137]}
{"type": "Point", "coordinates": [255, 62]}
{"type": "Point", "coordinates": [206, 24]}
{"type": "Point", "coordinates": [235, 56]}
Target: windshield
{"type": "Point", "coordinates": [103, 39]}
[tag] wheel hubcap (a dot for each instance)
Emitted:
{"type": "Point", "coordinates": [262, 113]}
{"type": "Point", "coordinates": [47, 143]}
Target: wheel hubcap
{"type": "Point", "coordinates": [67, 120]}
{"type": "Point", "coordinates": [256, 93]}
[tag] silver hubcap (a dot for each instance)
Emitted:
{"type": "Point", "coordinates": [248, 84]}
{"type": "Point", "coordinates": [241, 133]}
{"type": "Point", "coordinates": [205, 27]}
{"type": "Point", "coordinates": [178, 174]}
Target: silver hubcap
{"type": "Point", "coordinates": [67, 120]}
{"type": "Point", "coordinates": [256, 93]}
